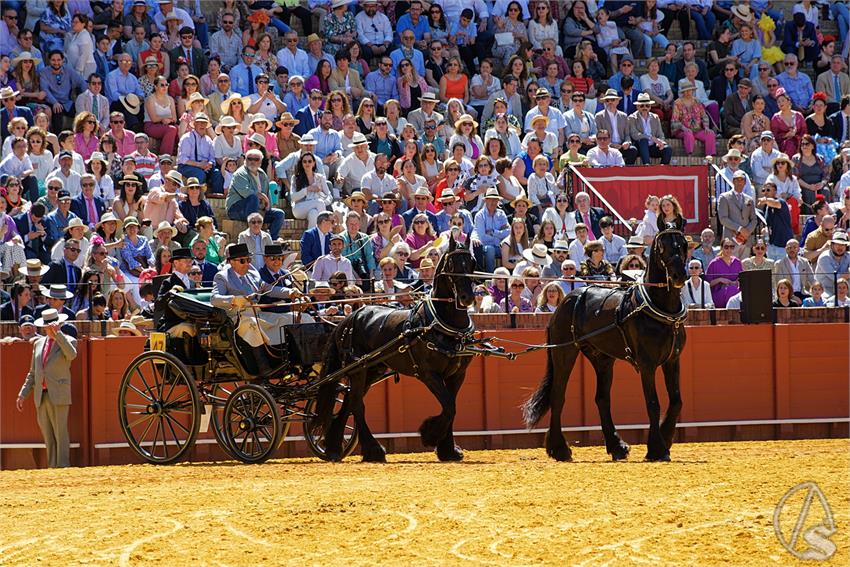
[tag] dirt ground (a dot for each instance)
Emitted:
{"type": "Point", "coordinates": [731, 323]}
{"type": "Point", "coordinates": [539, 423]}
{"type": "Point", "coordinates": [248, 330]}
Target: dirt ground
{"type": "Point", "coordinates": [713, 505]}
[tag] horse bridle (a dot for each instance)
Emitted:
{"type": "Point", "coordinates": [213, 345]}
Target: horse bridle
{"type": "Point", "coordinates": [655, 248]}
{"type": "Point", "coordinates": [451, 275]}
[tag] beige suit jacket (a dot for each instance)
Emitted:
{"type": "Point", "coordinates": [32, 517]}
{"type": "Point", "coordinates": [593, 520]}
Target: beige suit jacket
{"type": "Point", "coordinates": [337, 82]}
{"type": "Point", "coordinates": [636, 127]}
{"type": "Point", "coordinates": [824, 84]}
{"type": "Point", "coordinates": [603, 122]}
{"type": "Point", "coordinates": [782, 270]}
{"type": "Point", "coordinates": [56, 373]}
{"type": "Point", "coordinates": [256, 255]}
{"type": "Point", "coordinates": [733, 216]}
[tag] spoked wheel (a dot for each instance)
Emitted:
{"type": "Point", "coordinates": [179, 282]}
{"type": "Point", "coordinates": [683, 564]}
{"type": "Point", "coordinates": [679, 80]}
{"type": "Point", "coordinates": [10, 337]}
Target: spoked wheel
{"type": "Point", "coordinates": [314, 432]}
{"type": "Point", "coordinates": [159, 407]}
{"type": "Point", "coordinates": [218, 396]}
{"type": "Point", "coordinates": [251, 425]}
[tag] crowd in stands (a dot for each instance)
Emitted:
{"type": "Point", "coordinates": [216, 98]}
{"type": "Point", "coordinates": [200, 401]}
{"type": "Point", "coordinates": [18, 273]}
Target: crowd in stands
{"type": "Point", "coordinates": [390, 127]}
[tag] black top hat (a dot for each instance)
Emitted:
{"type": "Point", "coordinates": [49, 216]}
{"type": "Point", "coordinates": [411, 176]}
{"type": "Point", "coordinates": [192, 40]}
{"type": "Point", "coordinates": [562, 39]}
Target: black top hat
{"type": "Point", "coordinates": [273, 250]}
{"type": "Point", "coordinates": [181, 254]}
{"type": "Point", "coordinates": [234, 251]}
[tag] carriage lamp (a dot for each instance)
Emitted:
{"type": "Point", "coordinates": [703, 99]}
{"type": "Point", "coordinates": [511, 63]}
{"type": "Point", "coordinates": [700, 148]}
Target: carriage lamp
{"type": "Point", "coordinates": [205, 341]}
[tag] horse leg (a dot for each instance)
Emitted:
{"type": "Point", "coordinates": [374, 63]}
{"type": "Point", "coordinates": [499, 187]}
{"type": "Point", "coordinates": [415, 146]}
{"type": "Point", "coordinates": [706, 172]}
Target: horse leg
{"type": "Point", "coordinates": [434, 428]}
{"type": "Point", "coordinates": [563, 359]}
{"type": "Point", "coordinates": [372, 451]}
{"type": "Point", "coordinates": [446, 448]}
{"type": "Point", "coordinates": [655, 448]}
{"type": "Point", "coordinates": [671, 381]}
{"type": "Point", "coordinates": [616, 447]}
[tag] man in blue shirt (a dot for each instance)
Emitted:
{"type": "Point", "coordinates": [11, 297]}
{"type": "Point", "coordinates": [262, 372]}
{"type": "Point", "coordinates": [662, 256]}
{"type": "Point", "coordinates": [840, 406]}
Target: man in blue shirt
{"type": "Point", "coordinates": [798, 86]}
{"type": "Point", "coordinates": [464, 33]}
{"type": "Point", "coordinates": [778, 218]}
{"type": "Point", "coordinates": [58, 81]}
{"type": "Point", "coordinates": [196, 155]}
{"type": "Point", "coordinates": [56, 221]}
{"type": "Point", "coordinates": [243, 75]}
{"type": "Point", "coordinates": [408, 51]}
{"type": "Point", "coordinates": [120, 83]}
{"type": "Point", "coordinates": [491, 226]}
{"type": "Point", "coordinates": [382, 83]}
{"type": "Point", "coordinates": [414, 21]}
{"type": "Point", "coordinates": [328, 143]}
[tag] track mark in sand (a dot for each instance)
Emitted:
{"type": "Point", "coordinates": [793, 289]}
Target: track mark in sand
{"type": "Point", "coordinates": [124, 560]}
{"type": "Point", "coordinates": [7, 552]}
{"type": "Point", "coordinates": [412, 525]}
{"type": "Point", "coordinates": [239, 533]}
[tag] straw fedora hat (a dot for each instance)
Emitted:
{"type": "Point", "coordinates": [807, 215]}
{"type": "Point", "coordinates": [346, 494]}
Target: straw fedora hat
{"type": "Point", "coordinates": [50, 316]}
{"type": "Point", "coordinates": [611, 94]}
{"type": "Point", "coordinates": [743, 12]}
{"type": "Point", "coordinates": [423, 192]}
{"type": "Point", "coordinates": [355, 195]}
{"type": "Point", "coordinates": [226, 121]}
{"type": "Point", "coordinates": [537, 254]}
{"type": "Point", "coordinates": [165, 225]}
{"type": "Point", "coordinates": [131, 102]}
{"type": "Point", "coordinates": [109, 217]}
{"type": "Point", "coordinates": [56, 291]}
{"type": "Point", "coordinates": [36, 268]}
{"type": "Point", "coordinates": [225, 104]}
{"type": "Point", "coordinates": [521, 198]}
{"type": "Point", "coordinates": [287, 118]}
{"type": "Point", "coordinates": [492, 193]}
{"type": "Point", "coordinates": [196, 97]}
{"type": "Point", "coordinates": [540, 118]}
{"type": "Point", "coordinates": [464, 118]}
{"type": "Point", "coordinates": [75, 222]}
{"type": "Point", "coordinates": [25, 56]}
{"type": "Point", "coordinates": [126, 327]}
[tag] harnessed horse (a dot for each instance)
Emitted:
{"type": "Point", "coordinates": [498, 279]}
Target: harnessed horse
{"type": "Point", "coordinates": [643, 325]}
{"type": "Point", "coordinates": [427, 341]}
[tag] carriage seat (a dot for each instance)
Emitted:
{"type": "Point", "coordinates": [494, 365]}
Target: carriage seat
{"type": "Point", "coordinates": [195, 306]}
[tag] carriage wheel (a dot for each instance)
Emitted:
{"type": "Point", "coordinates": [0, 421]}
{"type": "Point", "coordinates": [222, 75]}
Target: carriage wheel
{"type": "Point", "coordinates": [251, 424]}
{"type": "Point", "coordinates": [159, 407]}
{"type": "Point", "coordinates": [218, 396]}
{"type": "Point", "coordinates": [314, 433]}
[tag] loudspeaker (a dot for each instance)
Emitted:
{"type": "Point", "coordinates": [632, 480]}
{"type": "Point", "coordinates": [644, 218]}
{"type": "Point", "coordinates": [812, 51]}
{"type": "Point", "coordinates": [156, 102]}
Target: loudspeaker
{"type": "Point", "coordinates": [756, 296]}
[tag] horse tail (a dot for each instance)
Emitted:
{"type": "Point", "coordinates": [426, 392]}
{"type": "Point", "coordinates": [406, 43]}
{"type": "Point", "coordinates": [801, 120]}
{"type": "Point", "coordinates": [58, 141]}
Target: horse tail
{"type": "Point", "coordinates": [538, 404]}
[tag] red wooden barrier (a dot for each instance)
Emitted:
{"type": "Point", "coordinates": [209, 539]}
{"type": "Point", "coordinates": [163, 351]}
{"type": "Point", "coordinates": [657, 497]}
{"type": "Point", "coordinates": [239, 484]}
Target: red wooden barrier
{"type": "Point", "coordinates": [730, 373]}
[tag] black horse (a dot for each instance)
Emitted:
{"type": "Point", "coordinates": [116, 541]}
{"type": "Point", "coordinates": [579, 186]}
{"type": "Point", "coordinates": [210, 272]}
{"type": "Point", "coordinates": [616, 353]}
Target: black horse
{"type": "Point", "coordinates": [424, 341]}
{"type": "Point", "coordinates": [643, 325]}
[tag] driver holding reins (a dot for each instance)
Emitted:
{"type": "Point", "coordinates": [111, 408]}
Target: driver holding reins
{"type": "Point", "coordinates": [238, 287]}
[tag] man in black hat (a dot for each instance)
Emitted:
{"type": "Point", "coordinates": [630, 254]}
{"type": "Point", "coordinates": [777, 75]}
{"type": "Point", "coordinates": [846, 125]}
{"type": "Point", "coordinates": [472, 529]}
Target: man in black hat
{"type": "Point", "coordinates": [273, 273]}
{"type": "Point", "coordinates": [181, 263]}
{"type": "Point", "coordinates": [235, 288]}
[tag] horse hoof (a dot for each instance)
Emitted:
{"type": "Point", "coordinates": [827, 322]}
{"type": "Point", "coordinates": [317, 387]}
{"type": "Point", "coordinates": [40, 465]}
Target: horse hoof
{"type": "Point", "coordinates": [333, 457]}
{"type": "Point", "coordinates": [664, 458]}
{"type": "Point", "coordinates": [376, 454]}
{"type": "Point", "coordinates": [562, 454]}
{"type": "Point", "coordinates": [452, 455]}
{"type": "Point", "coordinates": [621, 452]}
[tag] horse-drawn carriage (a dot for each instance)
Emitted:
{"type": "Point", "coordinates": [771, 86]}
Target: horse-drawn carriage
{"type": "Point", "coordinates": [174, 390]}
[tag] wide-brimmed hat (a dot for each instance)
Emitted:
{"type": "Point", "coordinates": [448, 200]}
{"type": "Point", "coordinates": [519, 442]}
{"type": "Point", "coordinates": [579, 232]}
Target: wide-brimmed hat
{"type": "Point", "coordinates": [308, 140]}
{"type": "Point", "coordinates": [7, 92]}
{"type": "Point", "coordinates": [539, 118]}
{"type": "Point", "coordinates": [50, 316]}
{"type": "Point", "coordinates": [257, 139]}
{"type": "Point", "coordinates": [611, 94]}
{"type": "Point", "coordinates": [428, 97]}
{"type": "Point", "coordinates": [225, 104]}
{"type": "Point", "coordinates": [130, 178]}
{"type": "Point", "coordinates": [131, 102]}
{"type": "Point", "coordinates": [190, 182]}
{"type": "Point", "coordinates": [339, 4]}
{"type": "Point", "coordinates": [492, 193]}
{"type": "Point", "coordinates": [521, 198]}
{"type": "Point", "coordinates": [466, 118]}
{"type": "Point", "coordinates": [733, 153]}
{"type": "Point", "coordinates": [840, 238]}
{"type": "Point", "coordinates": [359, 139]}
{"type": "Point", "coordinates": [561, 245]}
{"type": "Point", "coordinates": [97, 156]}
{"type": "Point", "coordinates": [426, 263]}
{"type": "Point", "coordinates": [542, 92]}
{"type": "Point", "coordinates": [151, 61]}
{"type": "Point", "coordinates": [126, 326]}
{"type": "Point", "coordinates": [322, 287]}
{"type": "Point", "coordinates": [643, 98]}
{"type": "Point", "coordinates": [172, 16]}
{"type": "Point", "coordinates": [75, 222]}
{"type": "Point", "coordinates": [391, 197]}
{"type": "Point", "coordinates": [287, 118]}
{"type": "Point", "coordinates": [355, 195]}
{"type": "Point", "coordinates": [259, 117]}
{"type": "Point", "coordinates": [131, 221]}
{"type": "Point", "coordinates": [196, 97]}
{"type": "Point", "coordinates": [36, 268]}
{"type": "Point", "coordinates": [201, 117]}
{"type": "Point", "coordinates": [691, 242]}
{"type": "Point", "coordinates": [165, 225]}
{"type": "Point", "coordinates": [226, 121]}
{"type": "Point", "coordinates": [635, 242]}
{"type": "Point", "coordinates": [235, 251]}
{"type": "Point", "coordinates": [743, 12]}
{"type": "Point", "coordinates": [313, 37]}
{"type": "Point", "coordinates": [25, 56]}
{"type": "Point", "coordinates": [108, 217]}
{"type": "Point", "coordinates": [448, 196]}
{"type": "Point", "coordinates": [175, 176]}
{"type": "Point", "coordinates": [687, 86]}
{"type": "Point", "coordinates": [537, 254]}
{"type": "Point", "coordinates": [783, 158]}
{"type": "Point", "coordinates": [56, 291]}
{"type": "Point", "coordinates": [423, 192]}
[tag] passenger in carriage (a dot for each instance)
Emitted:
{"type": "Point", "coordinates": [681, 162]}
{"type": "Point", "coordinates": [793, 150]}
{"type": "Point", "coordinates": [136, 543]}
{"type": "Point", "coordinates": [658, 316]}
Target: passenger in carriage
{"type": "Point", "coordinates": [235, 288]}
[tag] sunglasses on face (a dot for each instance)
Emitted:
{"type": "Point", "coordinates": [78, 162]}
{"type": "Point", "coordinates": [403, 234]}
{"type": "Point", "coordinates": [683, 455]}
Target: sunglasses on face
{"type": "Point", "coordinates": [385, 221]}
{"type": "Point", "coordinates": [402, 254]}
{"type": "Point", "coordinates": [116, 122]}
{"type": "Point", "coordinates": [728, 246]}
{"type": "Point", "coordinates": [256, 221]}
{"type": "Point", "coordinates": [76, 250]}
{"type": "Point", "coordinates": [194, 273]}
{"type": "Point", "coordinates": [603, 138]}
{"type": "Point", "coordinates": [517, 286]}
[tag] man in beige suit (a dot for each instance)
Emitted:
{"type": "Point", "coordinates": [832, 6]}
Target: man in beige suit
{"type": "Point", "coordinates": [617, 123]}
{"type": "Point", "coordinates": [49, 379]}
{"type": "Point", "coordinates": [645, 131]}
{"type": "Point", "coordinates": [828, 81]}
{"type": "Point", "coordinates": [256, 238]}
{"type": "Point", "coordinates": [736, 212]}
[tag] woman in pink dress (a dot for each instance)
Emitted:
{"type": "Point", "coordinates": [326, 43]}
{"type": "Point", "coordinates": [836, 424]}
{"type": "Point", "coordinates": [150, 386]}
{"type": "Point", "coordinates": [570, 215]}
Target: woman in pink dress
{"type": "Point", "coordinates": [788, 126]}
{"type": "Point", "coordinates": [722, 274]}
{"type": "Point", "coordinates": [690, 122]}
{"type": "Point", "coordinates": [419, 238]}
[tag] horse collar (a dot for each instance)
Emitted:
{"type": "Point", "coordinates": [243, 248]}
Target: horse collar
{"type": "Point", "coordinates": [643, 301]}
{"type": "Point", "coordinates": [443, 327]}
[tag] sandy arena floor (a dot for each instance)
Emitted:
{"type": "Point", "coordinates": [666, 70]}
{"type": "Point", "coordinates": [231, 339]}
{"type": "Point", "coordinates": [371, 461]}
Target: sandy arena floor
{"type": "Point", "coordinates": [713, 505]}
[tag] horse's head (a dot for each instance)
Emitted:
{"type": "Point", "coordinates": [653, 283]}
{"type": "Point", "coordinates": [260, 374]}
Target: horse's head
{"type": "Point", "coordinates": [669, 254]}
{"type": "Point", "coordinates": [456, 267]}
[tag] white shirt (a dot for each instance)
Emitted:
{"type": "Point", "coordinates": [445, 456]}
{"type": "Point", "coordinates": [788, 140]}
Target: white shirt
{"type": "Point", "coordinates": [297, 63]}
{"type": "Point", "coordinates": [556, 119]}
{"type": "Point", "coordinates": [352, 169]}
{"type": "Point", "coordinates": [378, 186]}
{"type": "Point", "coordinates": [598, 158]}
{"type": "Point", "coordinates": [376, 30]}
{"type": "Point", "coordinates": [761, 164]}
{"type": "Point", "coordinates": [71, 183]}
{"type": "Point", "coordinates": [577, 251]}
{"type": "Point", "coordinates": [185, 18]}
{"type": "Point", "coordinates": [615, 131]}
{"type": "Point", "coordinates": [697, 295]}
